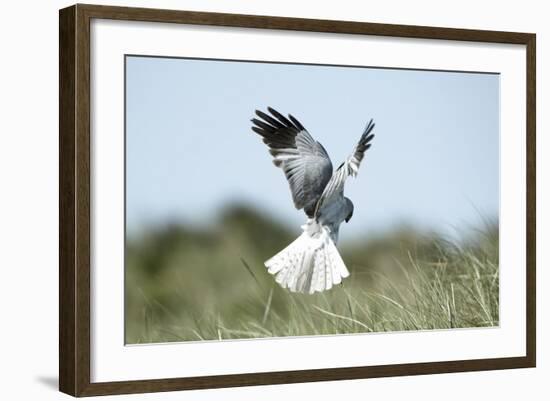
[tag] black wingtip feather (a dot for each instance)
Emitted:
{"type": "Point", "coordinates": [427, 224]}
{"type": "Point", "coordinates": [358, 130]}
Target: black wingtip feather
{"type": "Point", "coordinates": [296, 123]}
{"type": "Point", "coordinates": [269, 119]}
{"type": "Point", "coordinates": [280, 117]}
{"type": "Point", "coordinates": [258, 131]}
{"type": "Point", "coordinates": [369, 127]}
{"type": "Point", "coordinates": [265, 126]}
{"type": "Point", "coordinates": [368, 138]}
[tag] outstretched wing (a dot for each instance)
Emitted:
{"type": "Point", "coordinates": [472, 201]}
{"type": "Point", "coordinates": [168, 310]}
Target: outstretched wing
{"type": "Point", "coordinates": [335, 187]}
{"type": "Point", "coordinates": [304, 161]}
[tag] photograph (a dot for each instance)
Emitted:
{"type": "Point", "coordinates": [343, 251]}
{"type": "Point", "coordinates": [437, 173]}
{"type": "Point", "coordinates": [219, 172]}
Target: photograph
{"type": "Point", "coordinates": [270, 199]}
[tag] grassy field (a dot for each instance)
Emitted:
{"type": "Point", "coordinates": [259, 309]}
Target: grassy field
{"type": "Point", "coordinates": [187, 283]}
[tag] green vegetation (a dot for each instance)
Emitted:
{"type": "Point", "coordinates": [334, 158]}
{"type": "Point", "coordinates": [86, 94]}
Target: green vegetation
{"type": "Point", "coordinates": [184, 283]}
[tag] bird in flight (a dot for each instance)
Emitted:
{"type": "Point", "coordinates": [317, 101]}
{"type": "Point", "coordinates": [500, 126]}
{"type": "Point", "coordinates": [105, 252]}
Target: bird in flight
{"type": "Point", "coordinates": [311, 263]}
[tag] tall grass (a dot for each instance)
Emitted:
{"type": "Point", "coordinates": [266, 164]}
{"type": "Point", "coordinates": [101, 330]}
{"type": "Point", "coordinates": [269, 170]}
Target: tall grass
{"type": "Point", "coordinates": [186, 285]}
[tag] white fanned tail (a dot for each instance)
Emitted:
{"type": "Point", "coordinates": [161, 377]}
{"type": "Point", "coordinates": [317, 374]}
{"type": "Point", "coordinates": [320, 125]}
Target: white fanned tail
{"type": "Point", "coordinates": [311, 263]}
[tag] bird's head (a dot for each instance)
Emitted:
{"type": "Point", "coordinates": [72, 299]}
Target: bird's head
{"type": "Point", "coordinates": [349, 209]}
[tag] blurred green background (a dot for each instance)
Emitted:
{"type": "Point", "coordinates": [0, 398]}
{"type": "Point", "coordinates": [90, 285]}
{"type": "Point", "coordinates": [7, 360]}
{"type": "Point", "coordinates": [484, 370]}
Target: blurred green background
{"type": "Point", "coordinates": [185, 282]}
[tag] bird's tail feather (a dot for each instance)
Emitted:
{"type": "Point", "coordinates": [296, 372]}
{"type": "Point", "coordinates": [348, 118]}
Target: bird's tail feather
{"type": "Point", "coordinates": [311, 263]}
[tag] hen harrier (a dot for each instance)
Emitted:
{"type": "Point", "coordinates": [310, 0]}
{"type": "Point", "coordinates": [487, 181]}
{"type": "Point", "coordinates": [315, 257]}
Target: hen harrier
{"type": "Point", "coordinates": [312, 262]}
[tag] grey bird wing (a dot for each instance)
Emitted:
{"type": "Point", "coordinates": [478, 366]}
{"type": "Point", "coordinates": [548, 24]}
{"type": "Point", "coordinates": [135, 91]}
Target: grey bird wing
{"type": "Point", "coordinates": [335, 187]}
{"type": "Point", "coordinates": [304, 161]}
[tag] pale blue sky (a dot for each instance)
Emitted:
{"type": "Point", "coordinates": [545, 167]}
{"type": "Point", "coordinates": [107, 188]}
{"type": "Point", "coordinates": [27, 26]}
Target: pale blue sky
{"type": "Point", "coordinates": [190, 149]}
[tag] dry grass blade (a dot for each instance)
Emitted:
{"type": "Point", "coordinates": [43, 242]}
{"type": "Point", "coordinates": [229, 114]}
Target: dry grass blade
{"type": "Point", "coordinates": [267, 306]}
{"type": "Point", "coordinates": [247, 267]}
{"type": "Point", "coordinates": [349, 319]}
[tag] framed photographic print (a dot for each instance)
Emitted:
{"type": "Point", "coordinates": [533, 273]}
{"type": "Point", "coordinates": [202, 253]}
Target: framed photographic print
{"type": "Point", "coordinates": [251, 200]}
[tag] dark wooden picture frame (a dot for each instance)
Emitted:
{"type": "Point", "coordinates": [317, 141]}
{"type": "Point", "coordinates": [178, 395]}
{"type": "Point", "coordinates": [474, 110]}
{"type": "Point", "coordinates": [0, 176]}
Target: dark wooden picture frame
{"type": "Point", "coordinates": [74, 199]}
